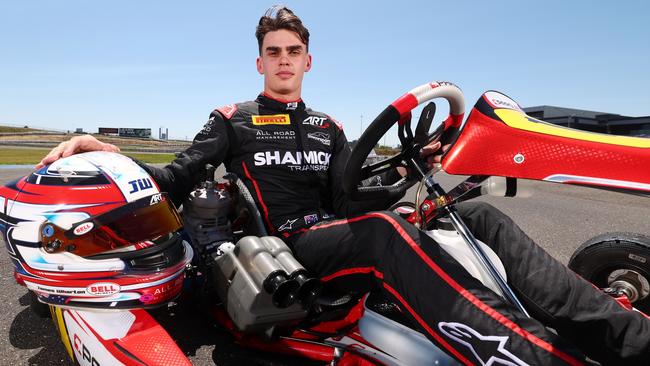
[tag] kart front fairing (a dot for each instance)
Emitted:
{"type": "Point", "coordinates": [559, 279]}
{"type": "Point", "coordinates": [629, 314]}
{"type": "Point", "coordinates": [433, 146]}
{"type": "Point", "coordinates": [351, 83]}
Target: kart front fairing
{"type": "Point", "coordinates": [499, 139]}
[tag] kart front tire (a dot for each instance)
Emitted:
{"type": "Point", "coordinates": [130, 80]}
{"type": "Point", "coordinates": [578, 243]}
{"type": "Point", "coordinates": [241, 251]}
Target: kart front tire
{"type": "Point", "coordinates": [619, 260]}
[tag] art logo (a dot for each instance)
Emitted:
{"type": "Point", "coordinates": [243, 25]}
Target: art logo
{"type": "Point", "coordinates": [276, 119]}
{"type": "Point", "coordinates": [156, 198]}
{"type": "Point", "coordinates": [316, 121]}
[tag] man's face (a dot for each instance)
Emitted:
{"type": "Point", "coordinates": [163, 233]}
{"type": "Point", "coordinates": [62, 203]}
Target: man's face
{"type": "Point", "coordinates": [283, 62]}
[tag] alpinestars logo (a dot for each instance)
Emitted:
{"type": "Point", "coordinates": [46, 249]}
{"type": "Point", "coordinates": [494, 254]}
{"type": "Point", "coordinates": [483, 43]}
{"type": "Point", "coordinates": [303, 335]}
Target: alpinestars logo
{"type": "Point", "coordinates": [287, 225]}
{"type": "Point", "coordinates": [294, 160]}
{"type": "Point", "coordinates": [320, 122]}
{"type": "Point", "coordinates": [488, 350]}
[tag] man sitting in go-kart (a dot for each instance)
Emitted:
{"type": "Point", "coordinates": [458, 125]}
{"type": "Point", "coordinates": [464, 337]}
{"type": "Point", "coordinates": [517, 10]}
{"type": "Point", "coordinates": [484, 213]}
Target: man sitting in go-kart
{"type": "Point", "coordinates": [292, 158]}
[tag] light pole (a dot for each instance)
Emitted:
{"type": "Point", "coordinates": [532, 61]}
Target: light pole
{"type": "Point", "coordinates": [361, 127]}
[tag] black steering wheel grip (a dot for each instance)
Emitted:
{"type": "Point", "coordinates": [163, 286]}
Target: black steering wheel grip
{"type": "Point", "coordinates": [397, 112]}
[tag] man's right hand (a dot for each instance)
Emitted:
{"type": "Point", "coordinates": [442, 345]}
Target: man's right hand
{"type": "Point", "coordinates": [75, 145]}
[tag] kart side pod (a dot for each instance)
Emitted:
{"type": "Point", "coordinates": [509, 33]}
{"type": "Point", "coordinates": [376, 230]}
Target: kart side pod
{"type": "Point", "coordinates": [259, 281]}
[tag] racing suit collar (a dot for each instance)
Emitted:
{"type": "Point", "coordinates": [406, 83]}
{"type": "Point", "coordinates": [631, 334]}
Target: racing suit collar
{"type": "Point", "coordinates": [280, 105]}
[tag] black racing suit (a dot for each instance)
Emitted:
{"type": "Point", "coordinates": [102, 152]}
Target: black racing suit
{"type": "Point", "coordinates": [292, 160]}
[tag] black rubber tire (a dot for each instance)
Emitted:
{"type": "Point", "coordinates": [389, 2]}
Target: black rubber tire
{"type": "Point", "coordinates": [41, 310]}
{"type": "Point", "coordinates": [598, 257]}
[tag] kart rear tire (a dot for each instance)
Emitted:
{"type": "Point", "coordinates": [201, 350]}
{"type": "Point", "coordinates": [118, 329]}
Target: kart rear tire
{"type": "Point", "coordinates": [619, 256]}
{"type": "Point", "coordinates": [41, 310]}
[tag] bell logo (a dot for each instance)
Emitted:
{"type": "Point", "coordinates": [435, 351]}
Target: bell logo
{"type": "Point", "coordinates": [83, 228]}
{"type": "Point", "coordinates": [103, 289]}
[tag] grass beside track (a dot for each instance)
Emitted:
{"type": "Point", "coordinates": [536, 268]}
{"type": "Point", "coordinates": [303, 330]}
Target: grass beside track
{"type": "Point", "coordinates": [20, 156]}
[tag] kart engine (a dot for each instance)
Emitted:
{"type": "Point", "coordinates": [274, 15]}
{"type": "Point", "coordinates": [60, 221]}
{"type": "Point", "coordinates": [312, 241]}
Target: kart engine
{"type": "Point", "coordinates": [258, 279]}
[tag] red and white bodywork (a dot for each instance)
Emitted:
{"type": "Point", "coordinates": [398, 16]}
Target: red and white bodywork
{"type": "Point", "coordinates": [499, 139]}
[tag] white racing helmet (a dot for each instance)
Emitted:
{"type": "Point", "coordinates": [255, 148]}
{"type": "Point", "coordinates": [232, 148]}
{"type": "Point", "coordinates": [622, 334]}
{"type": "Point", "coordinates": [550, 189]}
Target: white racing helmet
{"type": "Point", "coordinates": [93, 230]}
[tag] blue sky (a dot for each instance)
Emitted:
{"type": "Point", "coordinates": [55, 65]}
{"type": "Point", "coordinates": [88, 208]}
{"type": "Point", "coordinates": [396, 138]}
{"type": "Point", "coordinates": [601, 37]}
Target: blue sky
{"type": "Point", "coordinates": [86, 64]}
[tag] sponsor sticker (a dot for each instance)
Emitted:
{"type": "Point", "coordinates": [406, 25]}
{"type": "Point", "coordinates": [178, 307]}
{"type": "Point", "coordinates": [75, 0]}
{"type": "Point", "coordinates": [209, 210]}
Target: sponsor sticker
{"type": "Point", "coordinates": [500, 101]}
{"type": "Point", "coordinates": [140, 185]}
{"type": "Point", "coordinates": [287, 225]}
{"type": "Point", "coordinates": [294, 160]}
{"type": "Point", "coordinates": [487, 349]}
{"type": "Point", "coordinates": [321, 137]}
{"type": "Point", "coordinates": [103, 289]}
{"type": "Point", "coordinates": [276, 119]}
{"type": "Point", "coordinates": [320, 122]}
{"type": "Point", "coordinates": [83, 228]}
{"type": "Point", "coordinates": [275, 135]}
{"type": "Point", "coordinates": [158, 197]}
{"type": "Point", "coordinates": [311, 219]}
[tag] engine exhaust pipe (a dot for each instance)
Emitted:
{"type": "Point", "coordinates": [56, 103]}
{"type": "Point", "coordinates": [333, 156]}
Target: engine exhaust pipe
{"type": "Point", "coordinates": [282, 289]}
{"type": "Point", "coordinates": [309, 288]}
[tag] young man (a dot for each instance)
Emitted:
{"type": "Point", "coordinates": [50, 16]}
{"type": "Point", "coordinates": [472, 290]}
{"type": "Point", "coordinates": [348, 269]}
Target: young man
{"type": "Point", "coordinates": [292, 158]}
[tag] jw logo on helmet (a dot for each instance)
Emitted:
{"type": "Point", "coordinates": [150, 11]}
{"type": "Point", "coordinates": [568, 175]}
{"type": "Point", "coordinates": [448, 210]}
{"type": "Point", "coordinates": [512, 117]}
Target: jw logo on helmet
{"type": "Point", "coordinates": [140, 184]}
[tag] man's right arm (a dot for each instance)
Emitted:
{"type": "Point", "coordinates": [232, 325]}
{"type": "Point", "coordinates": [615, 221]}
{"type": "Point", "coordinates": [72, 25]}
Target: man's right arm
{"type": "Point", "coordinates": [179, 177]}
{"type": "Point", "coordinates": [210, 146]}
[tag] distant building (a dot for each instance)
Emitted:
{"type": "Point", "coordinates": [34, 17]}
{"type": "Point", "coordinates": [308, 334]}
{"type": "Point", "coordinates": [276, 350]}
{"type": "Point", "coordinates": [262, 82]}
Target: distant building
{"type": "Point", "coordinates": [135, 132]}
{"type": "Point", "coordinates": [126, 132]}
{"type": "Point", "coordinates": [111, 131]}
{"type": "Point", "coordinates": [592, 121]}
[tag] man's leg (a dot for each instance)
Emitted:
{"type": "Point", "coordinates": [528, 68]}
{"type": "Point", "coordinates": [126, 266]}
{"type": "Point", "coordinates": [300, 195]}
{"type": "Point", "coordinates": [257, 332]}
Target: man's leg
{"type": "Point", "coordinates": [452, 308]}
{"type": "Point", "coordinates": [592, 320]}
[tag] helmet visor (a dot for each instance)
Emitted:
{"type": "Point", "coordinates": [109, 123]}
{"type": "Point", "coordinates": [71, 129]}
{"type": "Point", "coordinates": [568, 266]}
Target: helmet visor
{"type": "Point", "coordinates": [136, 225]}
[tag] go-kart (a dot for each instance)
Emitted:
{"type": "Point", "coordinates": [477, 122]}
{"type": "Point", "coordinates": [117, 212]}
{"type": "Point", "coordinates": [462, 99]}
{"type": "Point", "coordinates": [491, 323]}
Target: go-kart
{"type": "Point", "coordinates": [255, 288]}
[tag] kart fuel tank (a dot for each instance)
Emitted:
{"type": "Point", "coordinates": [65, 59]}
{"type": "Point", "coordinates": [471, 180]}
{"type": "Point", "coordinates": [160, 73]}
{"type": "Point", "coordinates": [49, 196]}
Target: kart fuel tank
{"type": "Point", "coordinates": [401, 345]}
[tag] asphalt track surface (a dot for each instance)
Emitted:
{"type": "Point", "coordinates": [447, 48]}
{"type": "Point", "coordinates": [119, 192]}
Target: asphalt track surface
{"type": "Point", "coordinates": [558, 217]}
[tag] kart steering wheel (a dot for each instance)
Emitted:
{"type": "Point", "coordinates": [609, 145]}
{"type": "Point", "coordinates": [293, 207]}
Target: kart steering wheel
{"type": "Point", "coordinates": [400, 112]}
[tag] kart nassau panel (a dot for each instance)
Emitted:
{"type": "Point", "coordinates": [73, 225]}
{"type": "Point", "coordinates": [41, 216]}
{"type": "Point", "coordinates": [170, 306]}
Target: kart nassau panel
{"type": "Point", "coordinates": [127, 337]}
{"type": "Point", "coordinates": [499, 139]}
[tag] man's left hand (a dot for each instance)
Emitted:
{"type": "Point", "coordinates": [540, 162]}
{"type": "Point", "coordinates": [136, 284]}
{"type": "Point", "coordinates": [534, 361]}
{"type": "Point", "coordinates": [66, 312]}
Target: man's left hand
{"type": "Point", "coordinates": [432, 154]}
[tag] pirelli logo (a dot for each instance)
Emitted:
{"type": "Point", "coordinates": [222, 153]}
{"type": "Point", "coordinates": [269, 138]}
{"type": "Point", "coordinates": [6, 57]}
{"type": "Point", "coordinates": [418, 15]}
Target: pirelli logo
{"type": "Point", "coordinates": [276, 119]}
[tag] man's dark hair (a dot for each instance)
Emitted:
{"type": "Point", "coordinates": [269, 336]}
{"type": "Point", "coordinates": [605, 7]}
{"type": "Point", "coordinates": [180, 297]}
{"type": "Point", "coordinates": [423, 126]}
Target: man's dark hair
{"type": "Point", "coordinates": [280, 17]}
